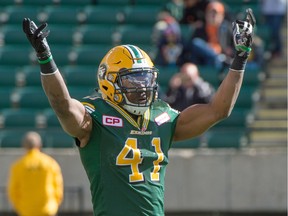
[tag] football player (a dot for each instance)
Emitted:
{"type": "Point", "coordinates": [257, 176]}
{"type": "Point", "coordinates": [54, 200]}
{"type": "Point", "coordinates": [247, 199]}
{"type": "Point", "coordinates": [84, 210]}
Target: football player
{"type": "Point", "coordinates": [124, 132]}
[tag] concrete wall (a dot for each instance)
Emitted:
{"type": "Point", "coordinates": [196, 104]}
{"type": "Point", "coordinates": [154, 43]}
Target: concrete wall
{"type": "Point", "coordinates": [202, 180]}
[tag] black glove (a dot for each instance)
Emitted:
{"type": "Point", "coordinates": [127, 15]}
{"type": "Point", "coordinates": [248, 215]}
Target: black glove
{"type": "Point", "coordinates": [37, 38]}
{"type": "Point", "coordinates": [243, 39]}
{"type": "Point", "coordinates": [243, 34]}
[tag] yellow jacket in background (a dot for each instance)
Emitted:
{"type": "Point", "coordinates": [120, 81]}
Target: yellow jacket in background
{"type": "Point", "coordinates": [35, 186]}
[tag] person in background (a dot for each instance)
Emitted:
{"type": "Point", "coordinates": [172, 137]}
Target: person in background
{"type": "Point", "coordinates": [169, 42]}
{"type": "Point", "coordinates": [194, 12]}
{"type": "Point", "coordinates": [35, 186]}
{"type": "Point", "coordinates": [211, 42]}
{"type": "Point", "coordinates": [274, 12]}
{"type": "Point", "coordinates": [187, 88]}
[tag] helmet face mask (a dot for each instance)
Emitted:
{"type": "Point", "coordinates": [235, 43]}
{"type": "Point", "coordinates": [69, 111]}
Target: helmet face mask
{"type": "Point", "coordinates": [138, 88]}
{"type": "Point", "coordinates": [130, 82]}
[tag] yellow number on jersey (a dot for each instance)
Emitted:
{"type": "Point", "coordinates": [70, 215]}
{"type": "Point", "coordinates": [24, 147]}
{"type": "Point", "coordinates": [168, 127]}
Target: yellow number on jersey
{"type": "Point", "coordinates": [123, 160]}
{"type": "Point", "coordinates": [155, 174]}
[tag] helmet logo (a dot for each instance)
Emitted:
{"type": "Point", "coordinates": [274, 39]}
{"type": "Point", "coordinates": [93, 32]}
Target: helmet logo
{"type": "Point", "coordinates": [102, 71]}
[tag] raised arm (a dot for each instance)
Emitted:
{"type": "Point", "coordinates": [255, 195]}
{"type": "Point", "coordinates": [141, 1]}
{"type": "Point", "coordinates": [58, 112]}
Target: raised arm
{"type": "Point", "coordinates": [196, 119]}
{"type": "Point", "coordinates": [70, 112]}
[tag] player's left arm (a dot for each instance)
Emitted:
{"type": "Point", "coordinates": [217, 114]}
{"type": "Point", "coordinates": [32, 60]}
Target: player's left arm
{"type": "Point", "coordinates": [196, 119]}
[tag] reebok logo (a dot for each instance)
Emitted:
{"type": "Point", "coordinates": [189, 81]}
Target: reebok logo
{"type": "Point", "coordinates": [112, 121]}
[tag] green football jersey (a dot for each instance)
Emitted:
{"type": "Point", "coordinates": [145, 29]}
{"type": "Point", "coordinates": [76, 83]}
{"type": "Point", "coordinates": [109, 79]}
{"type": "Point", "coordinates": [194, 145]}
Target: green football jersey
{"type": "Point", "coordinates": [125, 159]}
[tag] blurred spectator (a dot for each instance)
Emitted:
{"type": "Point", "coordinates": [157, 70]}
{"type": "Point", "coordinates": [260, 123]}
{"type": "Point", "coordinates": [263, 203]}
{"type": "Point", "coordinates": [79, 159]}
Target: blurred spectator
{"type": "Point", "coordinates": [211, 43]}
{"type": "Point", "coordinates": [194, 11]}
{"type": "Point", "coordinates": [175, 8]}
{"type": "Point", "coordinates": [274, 12]}
{"type": "Point", "coordinates": [187, 88]}
{"type": "Point", "coordinates": [35, 186]}
{"type": "Point", "coordinates": [168, 39]}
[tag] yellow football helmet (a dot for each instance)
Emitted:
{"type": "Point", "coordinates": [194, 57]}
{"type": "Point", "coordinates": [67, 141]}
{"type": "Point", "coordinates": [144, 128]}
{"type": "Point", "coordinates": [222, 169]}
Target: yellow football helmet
{"type": "Point", "coordinates": [127, 77]}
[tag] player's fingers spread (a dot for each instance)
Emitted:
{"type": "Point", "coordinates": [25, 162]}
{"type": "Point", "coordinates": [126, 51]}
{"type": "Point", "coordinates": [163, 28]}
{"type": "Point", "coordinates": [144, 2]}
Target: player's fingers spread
{"type": "Point", "coordinates": [43, 26]}
{"type": "Point", "coordinates": [38, 32]}
{"type": "Point", "coordinates": [45, 34]}
{"type": "Point", "coordinates": [26, 25]}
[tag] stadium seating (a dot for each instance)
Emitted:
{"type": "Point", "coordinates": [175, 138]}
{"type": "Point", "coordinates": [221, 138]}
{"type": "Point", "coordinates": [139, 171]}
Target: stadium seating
{"type": "Point", "coordinates": [141, 15]}
{"type": "Point", "coordinates": [14, 14]}
{"type": "Point", "coordinates": [5, 95]}
{"type": "Point", "coordinates": [29, 97]}
{"type": "Point", "coordinates": [13, 34]}
{"type": "Point", "coordinates": [228, 138]}
{"type": "Point", "coordinates": [103, 15]}
{"type": "Point", "coordinates": [8, 75]}
{"type": "Point", "coordinates": [15, 55]}
{"type": "Point", "coordinates": [113, 2]}
{"type": "Point", "coordinates": [47, 119]}
{"type": "Point", "coordinates": [14, 118]}
{"type": "Point", "coordinates": [12, 138]}
{"type": "Point", "coordinates": [28, 75]}
{"type": "Point", "coordinates": [190, 143]}
{"type": "Point", "coordinates": [61, 54]}
{"type": "Point", "coordinates": [76, 75]}
{"type": "Point", "coordinates": [57, 138]}
{"type": "Point", "coordinates": [81, 32]}
{"type": "Point", "coordinates": [90, 55]}
{"type": "Point", "coordinates": [135, 34]}
{"type": "Point", "coordinates": [239, 118]}
{"type": "Point", "coordinates": [64, 15]}
{"type": "Point", "coordinates": [95, 34]}
{"type": "Point", "coordinates": [61, 34]}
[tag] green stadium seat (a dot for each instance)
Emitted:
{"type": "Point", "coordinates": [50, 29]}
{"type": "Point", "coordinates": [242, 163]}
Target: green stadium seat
{"type": "Point", "coordinates": [190, 143]}
{"type": "Point", "coordinates": [11, 138]}
{"type": "Point", "coordinates": [15, 55]}
{"type": "Point", "coordinates": [226, 138]}
{"type": "Point", "coordinates": [28, 75]}
{"type": "Point", "coordinates": [247, 97]}
{"type": "Point", "coordinates": [90, 55]}
{"type": "Point", "coordinates": [74, 2]}
{"type": "Point", "coordinates": [37, 2]}
{"type": "Point", "coordinates": [13, 34]}
{"type": "Point", "coordinates": [96, 34]}
{"type": "Point", "coordinates": [165, 74]}
{"type": "Point", "coordinates": [29, 97]}
{"type": "Point", "coordinates": [78, 92]}
{"type": "Point", "coordinates": [135, 34]}
{"type": "Point", "coordinates": [103, 14]}
{"type": "Point", "coordinates": [61, 34]}
{"type": "Point", "coordinates": [57, 138]}
{"type": "Point", "coordinates": [63, 15]}
{"type": "Point", "coordinates": [141, 15]}
{"type": "Point", "coordinates": [150, 2]}
{"type": "Point", "coordinates": [252, 77]}
{"type": "Point", "coordinates": [14, 118]}
{"type": "Point", "coordinates": [14, 14]}
{"type": "Point", "coordinates": [5, 95]}
{"type": "Point", "coordinates": [61, 54]}
{"type": "Point", "coordinates": [113, 2]}
{"type": "Point", "coordinates": [47, 119]}
{"type": "Point", "coordinates": [80, 75]}
{"type": "Point", "coordinates": [239, 118]}
{"type": "Point", "coordinates": [51, 138]}
{"type": "Point", "coordinates": [7, 2]}
{"type": "Point", "coordinates": [210, 74]}
{"type": "Point", "coordinates": [8, 75]}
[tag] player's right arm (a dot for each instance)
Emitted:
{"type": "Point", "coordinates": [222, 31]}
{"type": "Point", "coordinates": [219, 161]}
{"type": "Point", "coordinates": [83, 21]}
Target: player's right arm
{"type": "Point", "coordinates": [71, 113]}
